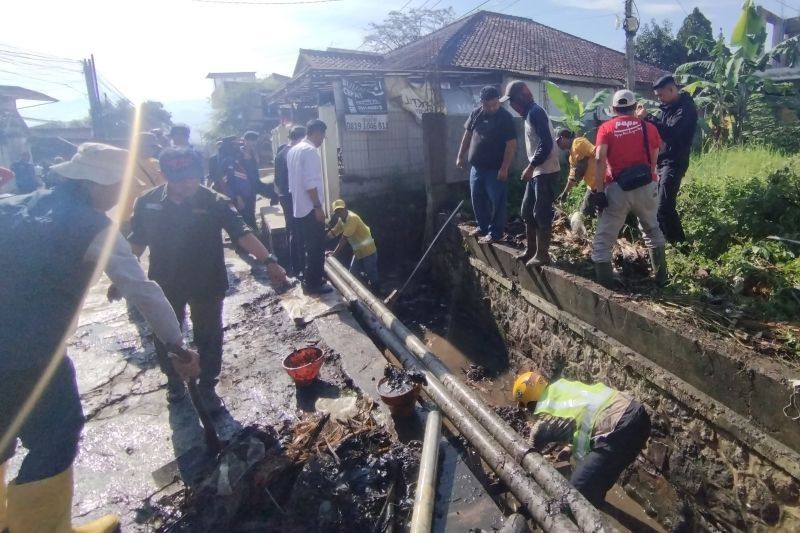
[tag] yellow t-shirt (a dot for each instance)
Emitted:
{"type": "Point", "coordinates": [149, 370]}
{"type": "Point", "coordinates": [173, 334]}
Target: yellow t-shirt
{"type": "Point", "coordinates": [358, 235]}
{"type": "Point", "coordinates": [582, 149]}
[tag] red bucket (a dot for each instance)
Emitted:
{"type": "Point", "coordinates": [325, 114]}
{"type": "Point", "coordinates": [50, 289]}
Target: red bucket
{"type": "Point", "coordinates": [303, 365]}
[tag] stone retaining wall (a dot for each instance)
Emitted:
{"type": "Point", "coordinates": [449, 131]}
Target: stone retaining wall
{"type": "Point", "coordinates": [719, 457]}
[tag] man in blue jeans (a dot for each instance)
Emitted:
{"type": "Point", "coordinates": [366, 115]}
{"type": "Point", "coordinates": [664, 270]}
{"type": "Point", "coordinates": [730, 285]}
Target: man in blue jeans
{"type": "Point", "coordinates": [541, 175]}
{"type": "Point", "coordinates": [490, 140]}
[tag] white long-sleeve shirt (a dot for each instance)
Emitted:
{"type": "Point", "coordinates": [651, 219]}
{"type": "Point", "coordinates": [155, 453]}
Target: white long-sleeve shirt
{"type": "Point", "coordinates": [125, 272]}
{"type": "Point", "coordinates": [305, 173]}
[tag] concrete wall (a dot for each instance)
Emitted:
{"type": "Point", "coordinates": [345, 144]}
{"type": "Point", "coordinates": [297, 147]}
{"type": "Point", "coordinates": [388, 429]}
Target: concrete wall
{"type": "Point", "coordinates": [721, 455]}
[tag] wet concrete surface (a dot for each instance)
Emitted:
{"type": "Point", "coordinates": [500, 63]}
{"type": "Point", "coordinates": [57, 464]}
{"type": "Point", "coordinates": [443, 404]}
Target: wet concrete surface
{"type": "Point", "coordinates": [132, 437]}
{"type": "Point", "coordinates": [132, 432]}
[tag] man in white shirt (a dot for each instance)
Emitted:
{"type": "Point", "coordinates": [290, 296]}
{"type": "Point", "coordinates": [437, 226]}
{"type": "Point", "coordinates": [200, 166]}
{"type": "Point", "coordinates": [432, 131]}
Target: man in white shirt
{"type": "Point", "coordinates": [305, 185]}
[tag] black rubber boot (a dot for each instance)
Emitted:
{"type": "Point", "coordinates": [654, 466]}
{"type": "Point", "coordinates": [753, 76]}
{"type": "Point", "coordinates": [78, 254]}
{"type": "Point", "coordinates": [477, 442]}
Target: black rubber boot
{"type": "Point", "coordinates": [530, 244]}
{"type": "Point", "coordinates": [658, 261]}
{"type": "Point", "coordinates": [542, 256]}
{"type": "Point", "coordinates": [604, 273]}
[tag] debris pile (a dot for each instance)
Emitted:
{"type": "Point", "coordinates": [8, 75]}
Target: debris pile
{"type": "Point", "coordinates": [515, 417]}
{"type": "Point", "coordinates": [318, 474]}
{"type": "Point", "coordinates": [476, 374]}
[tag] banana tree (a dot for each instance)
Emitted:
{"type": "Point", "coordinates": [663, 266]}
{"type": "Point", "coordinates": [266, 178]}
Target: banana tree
{"type": "Point", "coordinates": [572, 108]}
{"type": "Point", "coordinates": [722, 86]}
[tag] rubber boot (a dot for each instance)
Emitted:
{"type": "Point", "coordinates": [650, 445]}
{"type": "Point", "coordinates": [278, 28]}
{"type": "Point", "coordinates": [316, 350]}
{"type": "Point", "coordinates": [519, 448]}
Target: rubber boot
{"type": "Point", "coordinates": [46, 506]}
{"type": "Point", "coordinates": [658, 261]}
{"type": "Point", "coordinates": [530, 244]}
{"type": "Point", "coordinates": [604, 273]}
{"type": "Point", "coordinates": [3, 468]}
{"type": "Point", "coordinates": [542, 256]}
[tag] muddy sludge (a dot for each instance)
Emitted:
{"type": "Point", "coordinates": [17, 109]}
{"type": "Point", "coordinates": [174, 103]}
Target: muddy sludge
{"type": "Point", "coordinates": [318, 474]}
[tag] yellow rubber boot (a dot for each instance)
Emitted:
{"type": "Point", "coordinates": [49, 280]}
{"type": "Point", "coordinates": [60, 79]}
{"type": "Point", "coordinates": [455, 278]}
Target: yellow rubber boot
{"type": "Point", "coordinates": [3, 468]}
{"type": "Point", "coordinates": [46, 507]}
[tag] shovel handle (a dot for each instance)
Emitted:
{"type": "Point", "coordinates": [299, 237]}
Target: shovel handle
{"type": "Point", "coordinates": [212, 440]}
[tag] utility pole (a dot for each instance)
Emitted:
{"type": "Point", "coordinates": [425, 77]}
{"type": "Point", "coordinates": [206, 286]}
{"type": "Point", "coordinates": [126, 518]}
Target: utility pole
{"type": "Point", "coordinates": [92, 90]}
{"type": "Point", "coordinates": [631, 26]}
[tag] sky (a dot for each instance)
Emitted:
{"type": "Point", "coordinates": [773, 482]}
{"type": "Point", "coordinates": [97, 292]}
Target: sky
{"type": "Point", "coordinates": [163, 49]}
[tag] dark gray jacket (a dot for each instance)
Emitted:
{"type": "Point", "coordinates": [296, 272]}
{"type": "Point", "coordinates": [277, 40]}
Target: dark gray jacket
{"type": "Point", "coordinates": [676, 125]}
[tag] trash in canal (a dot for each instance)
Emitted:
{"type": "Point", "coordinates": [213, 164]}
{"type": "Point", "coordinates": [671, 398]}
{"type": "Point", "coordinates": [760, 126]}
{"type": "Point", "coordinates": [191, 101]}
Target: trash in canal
{"type": "Point", "coordinates": [319, 474]}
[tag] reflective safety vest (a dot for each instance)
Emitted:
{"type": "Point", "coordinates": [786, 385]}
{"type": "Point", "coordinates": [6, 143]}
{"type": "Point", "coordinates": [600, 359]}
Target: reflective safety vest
{"type": "Point", "coordinates": [579, 402]}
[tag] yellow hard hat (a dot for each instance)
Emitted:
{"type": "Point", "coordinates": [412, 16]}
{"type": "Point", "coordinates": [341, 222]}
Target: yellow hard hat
{"type": "Point", "coordinates": [529, 387]}
{"type": "Point", "coordinates": [337, 204]}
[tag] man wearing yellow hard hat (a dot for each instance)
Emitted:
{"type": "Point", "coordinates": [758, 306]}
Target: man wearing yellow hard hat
{"type": "Point", "coordinates": [353, 230]}
{"type": "Point", "coordinates": [606, 428]}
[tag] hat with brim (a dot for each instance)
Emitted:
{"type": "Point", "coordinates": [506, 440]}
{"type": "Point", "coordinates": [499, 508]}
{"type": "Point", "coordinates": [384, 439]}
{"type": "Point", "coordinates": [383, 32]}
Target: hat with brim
{"type": "Point", "coordinates": [338, 204]}
{"type": "Point", "coordinates": [96, 162]}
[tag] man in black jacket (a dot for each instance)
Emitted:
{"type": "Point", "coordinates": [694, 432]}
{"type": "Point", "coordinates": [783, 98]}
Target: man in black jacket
{"type": "Point", "coordinates": [676, 124]}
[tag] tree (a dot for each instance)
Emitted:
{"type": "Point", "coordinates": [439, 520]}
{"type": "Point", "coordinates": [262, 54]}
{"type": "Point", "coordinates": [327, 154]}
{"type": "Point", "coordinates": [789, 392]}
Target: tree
{"type": "Point", "coordinates": [657, 46]}
{"type": "Point", "coordinates": [574, 111]}
{"type": "Point", "coordinates": [698, 27]}
{"type": "Point", "coordinates": [240, 107]}
{"type": "Point", "coordinates": [404, 27]}
{"type": "Point", "coordinates": [155, 116]}
{"type": "Point", "coordinates": [723, 86]}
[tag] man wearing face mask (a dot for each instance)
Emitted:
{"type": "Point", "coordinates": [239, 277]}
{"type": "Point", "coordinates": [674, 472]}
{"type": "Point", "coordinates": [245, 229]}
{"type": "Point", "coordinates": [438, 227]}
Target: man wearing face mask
{"type": "Point", "coordinates": [182, 222]}
{"type": "Point", "coordinates": [491, 139]}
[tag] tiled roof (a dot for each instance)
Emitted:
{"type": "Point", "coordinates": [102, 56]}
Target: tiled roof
{"type": "Point", "coordinates": [425, 52]}
{"type": "Point", "coordinates": [489, 41]}
{"type": "Point", "coordinates": [337, 60]}
{"type": "Point", "coordinates": [504, 42]}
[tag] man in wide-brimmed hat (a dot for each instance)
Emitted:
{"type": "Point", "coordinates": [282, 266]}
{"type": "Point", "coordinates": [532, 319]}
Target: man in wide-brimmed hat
{"type": "Point", "coordinates": [54, 244]}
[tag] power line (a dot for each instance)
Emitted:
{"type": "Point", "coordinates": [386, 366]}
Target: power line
{"type": "Point", "coordinates": [784, 4]}
{"type": "Point", "coordinates": [679, 5]}
{"type": "Point", "coordinates": [278, 3]}
{"type": "Point", "coordinates": [36, 55]}
{"type": "Point", "coordinates": [474, 9]}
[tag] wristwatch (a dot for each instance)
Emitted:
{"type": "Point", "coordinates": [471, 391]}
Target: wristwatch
{"type": "Point", "coordinates": [270, 259]}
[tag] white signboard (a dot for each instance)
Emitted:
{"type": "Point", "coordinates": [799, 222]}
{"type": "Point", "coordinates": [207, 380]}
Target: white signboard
{"type": "Point", "coordinates": [366, 122]}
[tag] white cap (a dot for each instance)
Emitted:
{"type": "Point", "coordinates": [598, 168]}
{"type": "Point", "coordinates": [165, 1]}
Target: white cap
{"type": "Point", "coordinates": [97, 162]}
{"type": "Point", "coordinates": [623, 98]}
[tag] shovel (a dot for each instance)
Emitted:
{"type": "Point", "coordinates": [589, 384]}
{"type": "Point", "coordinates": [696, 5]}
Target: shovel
{"type": "Point", "coordinates": [390, 300]}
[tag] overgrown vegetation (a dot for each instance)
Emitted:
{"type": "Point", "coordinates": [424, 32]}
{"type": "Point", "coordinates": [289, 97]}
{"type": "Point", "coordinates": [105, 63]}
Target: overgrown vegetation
{"type": "Point", "coordinates": [731, 203]}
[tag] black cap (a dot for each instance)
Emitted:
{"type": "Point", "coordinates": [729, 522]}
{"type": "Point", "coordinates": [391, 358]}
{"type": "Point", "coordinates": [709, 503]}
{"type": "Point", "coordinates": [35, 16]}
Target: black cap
{"type": "Point", "coordinates": [663, 81]}
{"type": "Point", "coordinates": [565, 133]}
{"type": "Point", "coordinates": [180, 129]}
{"type": "Point", "coordinates": [250, 136]}
{"type": "Point", "coordinates": [489, 93]}
{"type": "Point", "coordinates": [180, 163]}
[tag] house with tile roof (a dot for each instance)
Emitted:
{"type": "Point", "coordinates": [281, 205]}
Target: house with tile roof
{"type": "Point", "coordinates": [441, 72]}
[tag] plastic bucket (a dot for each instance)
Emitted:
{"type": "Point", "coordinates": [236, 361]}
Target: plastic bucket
{"type": "Point", "coordinates": [303, 365]}
{"type": "Point", "coordinates": [401, 403]}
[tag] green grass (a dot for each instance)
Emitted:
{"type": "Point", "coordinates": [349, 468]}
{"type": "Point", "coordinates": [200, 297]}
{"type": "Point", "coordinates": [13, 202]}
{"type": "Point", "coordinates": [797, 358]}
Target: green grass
{"type": "Point", "coordinates": [738, 163]}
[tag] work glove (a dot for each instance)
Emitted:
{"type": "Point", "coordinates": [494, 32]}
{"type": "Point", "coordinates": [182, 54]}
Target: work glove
{"type": "Point", "coordinates": [113, 294]}
{"type": "Point", "coordinates": [185, 361]}
{"type": "Point", "coordinates": [598, 201]}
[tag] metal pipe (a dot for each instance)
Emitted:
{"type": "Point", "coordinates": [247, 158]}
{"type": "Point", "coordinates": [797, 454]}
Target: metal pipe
{"type": "Point", "coordinates": [425, 496]}
{"type": "Point", "coordinates": [586, 515]}
{"type": "Point", "coordinates": [543, 509]}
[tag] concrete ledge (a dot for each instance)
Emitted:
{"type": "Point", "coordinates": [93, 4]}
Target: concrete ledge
{"type": "Point", "coordinates": [742, 392]}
